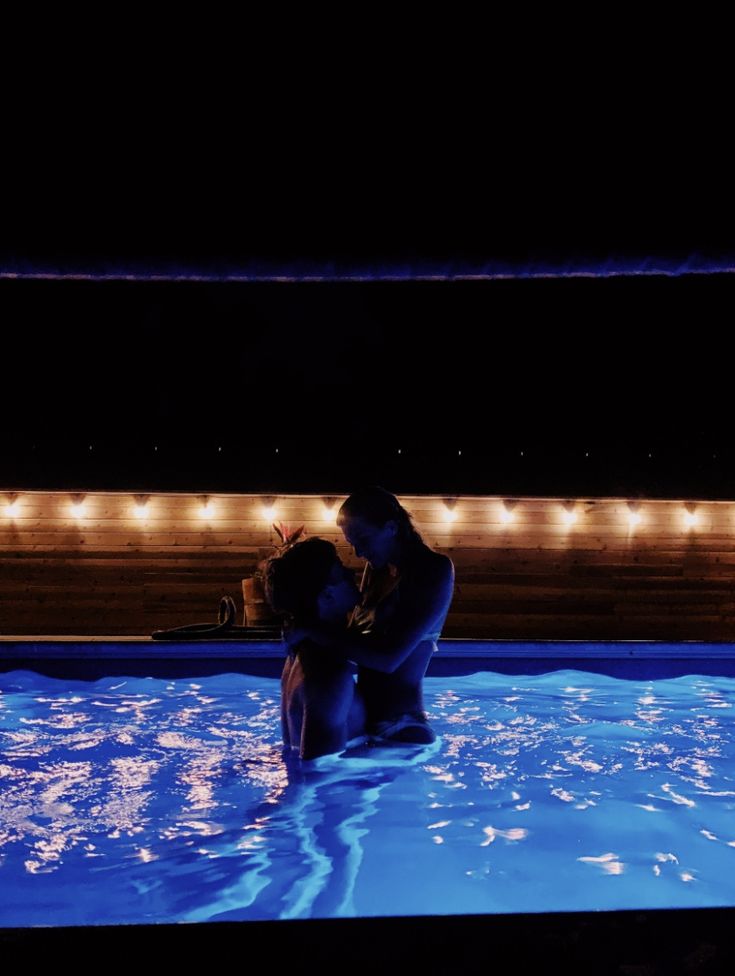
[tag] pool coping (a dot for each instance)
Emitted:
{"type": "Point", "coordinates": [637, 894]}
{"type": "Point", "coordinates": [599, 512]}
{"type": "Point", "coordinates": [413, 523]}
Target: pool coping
{"type": "Point", "coordinates": [100, 647]}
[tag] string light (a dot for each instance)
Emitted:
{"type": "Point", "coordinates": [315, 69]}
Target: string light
{"type": "Point", "coordinates": [570, 514]}
{"type": "Point", "coordinates": [329, 512]}
{"type": "Point", "coordinates": [507, 515]}
{"type": "Point", "coordinates": [634, 516]}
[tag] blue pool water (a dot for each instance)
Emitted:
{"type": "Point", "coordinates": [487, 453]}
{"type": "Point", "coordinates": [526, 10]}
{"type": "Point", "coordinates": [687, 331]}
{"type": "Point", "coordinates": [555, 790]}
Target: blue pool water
{"type": "Point", "coordinates": [131, 799]}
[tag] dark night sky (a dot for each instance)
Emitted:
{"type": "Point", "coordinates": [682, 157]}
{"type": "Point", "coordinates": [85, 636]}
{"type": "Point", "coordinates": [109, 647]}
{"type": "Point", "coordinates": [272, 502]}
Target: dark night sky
{"type": "Point", "coordinates": [339, 375]}
{"type": "Point", "coordinates": [618, 367]}
{"type": "Point", "coordinates": [640, 360]}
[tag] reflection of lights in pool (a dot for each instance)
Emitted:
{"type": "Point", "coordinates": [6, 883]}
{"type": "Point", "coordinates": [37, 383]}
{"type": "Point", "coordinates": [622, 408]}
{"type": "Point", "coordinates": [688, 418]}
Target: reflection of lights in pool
{"type": "Point", "coordinates": [563, 777]}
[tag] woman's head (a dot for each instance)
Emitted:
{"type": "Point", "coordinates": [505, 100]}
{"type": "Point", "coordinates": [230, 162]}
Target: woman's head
{"type": "Point", "coordinates": [309, 582]}
{"type": "Point", "coordinates": [377, 526]}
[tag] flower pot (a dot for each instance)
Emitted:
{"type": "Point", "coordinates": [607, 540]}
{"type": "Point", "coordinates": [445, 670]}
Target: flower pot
{"type": "Point", "coordinates": [257, 608]}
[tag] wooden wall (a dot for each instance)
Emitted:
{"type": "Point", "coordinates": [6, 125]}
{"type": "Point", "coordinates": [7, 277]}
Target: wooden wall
{"type": "Point", "coordinates": [110, 572]}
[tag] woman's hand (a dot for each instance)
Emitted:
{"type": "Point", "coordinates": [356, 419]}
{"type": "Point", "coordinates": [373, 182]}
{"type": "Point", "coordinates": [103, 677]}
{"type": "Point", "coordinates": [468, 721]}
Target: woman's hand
{"type": "Point", "coordinates": [318, 633]}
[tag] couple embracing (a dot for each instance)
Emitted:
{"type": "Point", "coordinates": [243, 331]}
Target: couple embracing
{"type": "Point", "coordinates": [388, 628]}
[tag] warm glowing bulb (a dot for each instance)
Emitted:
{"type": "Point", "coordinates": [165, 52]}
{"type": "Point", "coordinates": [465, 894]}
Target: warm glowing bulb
{"type": "Point", "coordinates": [12, 509]}
{"type": "Point", "coordinates": [506, 516]}
{"type": "Point", "coordinates": [141, 511]}
{"type": "Point", "coordinates": [329, 515]}
{"type": "Point", "coordinates": [207, 510]}
{"type": "Point", "coordinates": [449, 514]}
{"type": "Point", "coordinates": [78, 509]}
{"type": "Point", "coordinates": [570, 517]}
{"type": "Point", "coordinates": [690, 520]}
{"type": "Point", "coordinates": [634, 519]}
{"type": "Point", "coordinates": [269, 513]}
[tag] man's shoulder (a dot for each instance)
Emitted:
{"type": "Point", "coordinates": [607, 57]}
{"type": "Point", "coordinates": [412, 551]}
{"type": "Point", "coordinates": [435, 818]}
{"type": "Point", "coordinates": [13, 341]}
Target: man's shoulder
{"type": "Point", "coordinates": [306, 652]}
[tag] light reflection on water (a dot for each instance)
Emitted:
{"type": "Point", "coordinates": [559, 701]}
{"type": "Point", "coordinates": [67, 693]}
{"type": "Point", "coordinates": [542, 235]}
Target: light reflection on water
{"type": "Point", "coordinates": [141, 800]}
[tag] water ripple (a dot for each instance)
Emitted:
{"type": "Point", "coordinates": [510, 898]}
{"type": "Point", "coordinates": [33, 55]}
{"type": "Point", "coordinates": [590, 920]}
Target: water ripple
{"type": "Point", "coordinates": [553, 792]}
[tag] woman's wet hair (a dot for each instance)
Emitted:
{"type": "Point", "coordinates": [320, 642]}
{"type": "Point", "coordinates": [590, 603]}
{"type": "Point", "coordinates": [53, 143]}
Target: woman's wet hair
{"type": "Point", "coordinates": [294, 580]}
{"type": "Point", "coordinates": [377, 506]}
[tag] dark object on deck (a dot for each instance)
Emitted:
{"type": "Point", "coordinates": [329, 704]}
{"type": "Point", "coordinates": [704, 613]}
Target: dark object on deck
{"type": "Point", "coordinates": [224, 629]}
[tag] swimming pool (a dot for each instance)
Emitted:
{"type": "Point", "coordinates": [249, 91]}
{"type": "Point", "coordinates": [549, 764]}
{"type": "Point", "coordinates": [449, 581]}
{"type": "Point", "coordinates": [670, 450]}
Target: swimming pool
{"type": "Point", "coordinates": [552, 788]}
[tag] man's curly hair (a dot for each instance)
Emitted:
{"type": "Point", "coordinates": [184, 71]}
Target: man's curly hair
{"type": "Point", "coordinates": [294, 580]}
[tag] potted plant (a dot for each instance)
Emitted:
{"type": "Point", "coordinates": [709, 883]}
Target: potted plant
{"type": "Point", "coordinates": [257, 610]}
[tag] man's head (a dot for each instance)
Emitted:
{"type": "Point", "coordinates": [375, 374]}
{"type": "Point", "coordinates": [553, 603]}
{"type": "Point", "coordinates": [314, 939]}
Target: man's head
{"type": "Point", "coordinates": [309, 582]}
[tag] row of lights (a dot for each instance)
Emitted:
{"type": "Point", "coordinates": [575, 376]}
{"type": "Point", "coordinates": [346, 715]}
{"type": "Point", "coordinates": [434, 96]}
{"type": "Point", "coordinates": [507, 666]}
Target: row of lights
{"type": "Point", "coordinates": [401, 451]}
{"type": "Point", "coordinates": [207, 510]}
{"type": "Point", "coordinates": [269, 512]}
{"type": "Point", "coordinates": [569, 516]}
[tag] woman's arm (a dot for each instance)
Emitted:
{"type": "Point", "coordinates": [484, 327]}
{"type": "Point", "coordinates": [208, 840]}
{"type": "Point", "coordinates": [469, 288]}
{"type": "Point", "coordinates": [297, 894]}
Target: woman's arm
{"type": "Point", "coordinates": [424, 602]}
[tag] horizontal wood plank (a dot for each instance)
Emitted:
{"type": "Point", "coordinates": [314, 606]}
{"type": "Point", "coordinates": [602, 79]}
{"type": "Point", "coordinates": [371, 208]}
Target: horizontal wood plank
{"type": "Point", "coordinates": [536, 577]}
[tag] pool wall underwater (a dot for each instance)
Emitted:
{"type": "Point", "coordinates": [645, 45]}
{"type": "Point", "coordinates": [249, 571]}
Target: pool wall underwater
{"type": "Point", "coordinates": [667, 940]}
{"type": "Point", "coordinates": [80, 657]}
